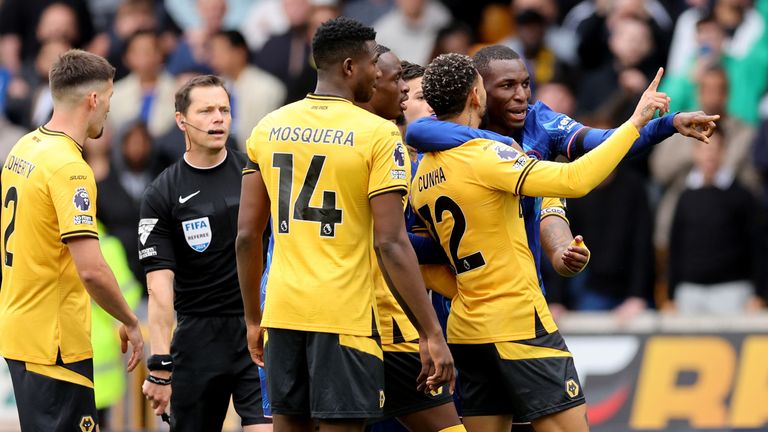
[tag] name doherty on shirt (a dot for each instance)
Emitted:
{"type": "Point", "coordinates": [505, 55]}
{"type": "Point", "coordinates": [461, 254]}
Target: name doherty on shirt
{"type": "Point", "coordinates": [19, 166]}
{"type": "Point", "coordinates": [308, 135]}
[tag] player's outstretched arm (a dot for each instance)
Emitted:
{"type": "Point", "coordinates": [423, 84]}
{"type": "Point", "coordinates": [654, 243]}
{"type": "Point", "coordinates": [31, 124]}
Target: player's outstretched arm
{"type": "Point", "coordinates": [578, 178]}
{"type": "Point", "coordinates": [103, 288]}
{"type": "Point", "coordinates": [251, 222]}
{"type": "Point", "coordinates": [399, 266]}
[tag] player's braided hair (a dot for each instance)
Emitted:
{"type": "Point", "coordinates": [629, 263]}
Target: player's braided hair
{"type": "Point", "coordinates": [486, 55]}
{"type": "Point", "coordinates": [411, 70]}
{"type": "Point", "coordinates": [382, 49]}
{"type": "Point", "coordinates": [447, 83]}
{"type": "Point", "coordinates": [338, 39]}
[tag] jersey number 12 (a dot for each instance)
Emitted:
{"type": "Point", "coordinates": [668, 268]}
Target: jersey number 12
{"type": "Point", "coordinates": [446, 204]}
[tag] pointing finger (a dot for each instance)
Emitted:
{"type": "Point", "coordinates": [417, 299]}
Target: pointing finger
{"type": "Point", "coordinates": [655, 83]}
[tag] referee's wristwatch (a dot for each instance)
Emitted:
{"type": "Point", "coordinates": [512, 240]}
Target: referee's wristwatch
{"type": "Point", "coordinates": [160, 362]}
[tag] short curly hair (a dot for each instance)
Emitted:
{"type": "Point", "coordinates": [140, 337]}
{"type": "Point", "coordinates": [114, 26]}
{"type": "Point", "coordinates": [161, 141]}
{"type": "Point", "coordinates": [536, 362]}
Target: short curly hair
{"type": "Point", "coordinates": [447, 83]}
{"type": "Point", "coordinates": [485, 56]}
{"type": "Point", "coordinates": [338, 39]}
{"type": "Point", "coordinates": [411, 70]}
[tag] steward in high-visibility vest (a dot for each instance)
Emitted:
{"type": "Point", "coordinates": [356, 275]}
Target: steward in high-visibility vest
{"type": "Point", "coordinates": [108, 366]}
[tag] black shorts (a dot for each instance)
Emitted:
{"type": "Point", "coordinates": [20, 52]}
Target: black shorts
{"type": "Point", "coordinates": [54, 397]}
{"type": "Point", "coordinates": [324, 375]}
{"type": "Point", "coordinates": [401, 368]}
{"type": "Point", "coordinates": [527, 379]}
{"type": "Point", "coordinates": [211, 363]}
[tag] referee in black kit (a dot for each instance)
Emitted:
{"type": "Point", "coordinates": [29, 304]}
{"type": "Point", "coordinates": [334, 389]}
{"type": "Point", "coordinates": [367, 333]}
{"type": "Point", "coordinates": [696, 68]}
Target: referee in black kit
{"type": "Point", "coordinates": [187, 247]}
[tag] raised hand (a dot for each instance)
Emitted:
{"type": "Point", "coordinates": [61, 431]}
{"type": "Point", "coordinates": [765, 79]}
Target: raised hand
{"type": "Point", "coordinates": [698, 124]}
{"type": "Point", "coordinates": [650, 102]}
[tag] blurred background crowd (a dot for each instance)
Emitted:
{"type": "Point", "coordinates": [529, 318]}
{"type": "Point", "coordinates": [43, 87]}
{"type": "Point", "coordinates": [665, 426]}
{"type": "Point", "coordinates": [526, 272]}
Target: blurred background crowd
{"type": "Point", "coordinates": [682, 217]}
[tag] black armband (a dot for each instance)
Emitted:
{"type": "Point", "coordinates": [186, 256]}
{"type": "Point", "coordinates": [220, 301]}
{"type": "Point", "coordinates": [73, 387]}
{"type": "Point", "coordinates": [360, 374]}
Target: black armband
{"type": "Point", "coordinates": [163, 362]}
{"type": "Point", "coordinates": [159, 381]}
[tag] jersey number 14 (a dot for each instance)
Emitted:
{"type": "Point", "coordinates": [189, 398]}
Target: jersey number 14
{"type": "Point", "coordinates": [327, 215]}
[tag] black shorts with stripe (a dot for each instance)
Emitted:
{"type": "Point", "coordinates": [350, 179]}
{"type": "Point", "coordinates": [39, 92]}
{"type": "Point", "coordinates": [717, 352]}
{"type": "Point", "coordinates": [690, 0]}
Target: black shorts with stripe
{"type": "Point", "coordinates": [324, 375]}
{"type": "Point", "coordinates": [54, 397]}
{"type": "Point", "coordinates": [526, 378]}
{"type": "Point", "coordinates": [401, 368]}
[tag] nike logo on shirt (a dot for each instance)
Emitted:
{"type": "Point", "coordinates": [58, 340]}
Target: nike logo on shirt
{"type": "Point", "coordinates": [182, 200]}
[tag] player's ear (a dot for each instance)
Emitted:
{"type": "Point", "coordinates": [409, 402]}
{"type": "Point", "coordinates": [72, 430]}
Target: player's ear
{"type": "Point", "coordinates": [348, 66]}
{"type": "Point", "coordinates": [474, 97]}
{"type": "Point", "coordinates": [180, 122]}
{"type": "Point", "coordinates": [93, 99]}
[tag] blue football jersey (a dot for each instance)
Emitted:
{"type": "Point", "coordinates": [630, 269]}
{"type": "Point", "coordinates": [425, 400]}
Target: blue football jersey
{"type": "Point", "coordinates": [544, 135]}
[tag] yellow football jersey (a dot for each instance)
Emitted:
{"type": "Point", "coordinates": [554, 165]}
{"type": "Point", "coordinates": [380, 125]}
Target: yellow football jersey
{"type": "Point", "coordinates": [49, 196]}
{"type": "Point", "coordinates": [322, 160]}
{"type": "Point", "coordinates": [469, 197]}
{"type": "Point", "coordinates": [395, 327]}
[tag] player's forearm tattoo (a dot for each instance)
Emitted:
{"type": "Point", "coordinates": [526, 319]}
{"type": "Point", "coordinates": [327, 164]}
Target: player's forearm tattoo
{"type": "Point", "coordinates": [555, 238]}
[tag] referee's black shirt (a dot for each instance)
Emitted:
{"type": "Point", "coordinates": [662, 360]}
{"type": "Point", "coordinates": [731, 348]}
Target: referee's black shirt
{"type": "Point", "coordinates": [189, 224]}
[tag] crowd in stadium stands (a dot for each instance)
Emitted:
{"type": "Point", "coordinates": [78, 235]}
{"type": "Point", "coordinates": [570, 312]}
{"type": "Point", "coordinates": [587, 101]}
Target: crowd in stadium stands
{"type": "Point", "coordinates": [666, 226]}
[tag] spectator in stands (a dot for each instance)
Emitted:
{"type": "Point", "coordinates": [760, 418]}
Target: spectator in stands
{"type": "Point", "coordinates": [265, 19]}
{"type": "Point", "coordinates": [712, 250]}
{"type": "Point", "coordinates": [367, 11]}
{"type": "Point", "coordinates": [187, 15]}
{"type": "Point", "coordinates": [132, 16]}
{"type": "Point", "coordinates": [411, 28]}
{"type": "Point", "coordinates": [287, 55]}
{"type": "Point", "coordinates": [147, 92]}
{"type": "Point", "coordinates": [760, 147]}
{"type": "Point", "coordinates": [133, 166]}
{"type": "Point", "coordinates": [594, 21]}
{"type": "Point", "coordinates": [612, 90]}
{"type": "Point", "coordinates": [616, 218]}
{"type": "Point", "coordinates": [531, 42]}
{"type": "Point", "coordinates": [20, 33]}
{"type": "Point", "coordinates": [456, 37]}
{"type": "Point", "coordinates": [253, 92]}
{"type": "Point", "coordinates": [30, 102]}
{"type": "Point", "coordinates": [193, 50]}
{"type": "Point", "coordinates": [747, 69]}
{"type": "Point", "coordinates": [672, 160]}
{"type": "Point", "coordinates": [560, 40]}
{"type": "Point", "coordinates": [558, 96]}
{"type": "Point", "coordinates": [683, 41]}
{"type": "Point", "coordinates": [9, 134]}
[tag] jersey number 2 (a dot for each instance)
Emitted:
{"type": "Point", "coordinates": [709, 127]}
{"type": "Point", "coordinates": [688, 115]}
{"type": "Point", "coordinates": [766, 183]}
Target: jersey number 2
{"type": "Point", "coordinates": [11, 197]}
{"type": "Point", "coordinates": [328, 215]}
{"type": "Point", "coordinates": [445, 204]}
